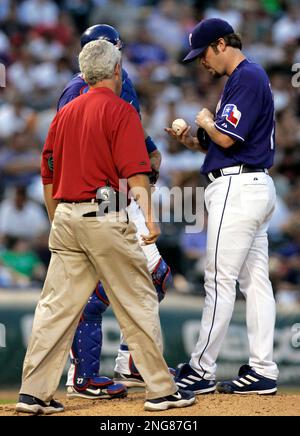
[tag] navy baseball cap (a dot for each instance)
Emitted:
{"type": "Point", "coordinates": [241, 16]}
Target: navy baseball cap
{"type": "Point", "coordinates": [206, 32]}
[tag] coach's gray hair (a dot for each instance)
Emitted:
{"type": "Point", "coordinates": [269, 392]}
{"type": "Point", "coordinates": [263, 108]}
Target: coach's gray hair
{"type": "Point", "coordinates": [97, 61]}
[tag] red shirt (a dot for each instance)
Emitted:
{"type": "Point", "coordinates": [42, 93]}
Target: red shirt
{"type": "Point", "coordinates": [94, 139]}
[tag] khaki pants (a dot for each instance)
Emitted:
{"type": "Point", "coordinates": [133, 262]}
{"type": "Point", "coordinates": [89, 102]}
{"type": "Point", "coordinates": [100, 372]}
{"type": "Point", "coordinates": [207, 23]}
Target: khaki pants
{"type": "Point", "coordinates": [84, 251]}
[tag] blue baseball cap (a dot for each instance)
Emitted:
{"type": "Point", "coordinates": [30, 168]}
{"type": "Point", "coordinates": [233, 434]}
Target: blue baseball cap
{"type": "Point", "coordinates": [206, 32]}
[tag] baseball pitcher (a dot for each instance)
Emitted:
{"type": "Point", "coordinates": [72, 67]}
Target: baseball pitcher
{"type": "Point", "coordinates": [240, 200]}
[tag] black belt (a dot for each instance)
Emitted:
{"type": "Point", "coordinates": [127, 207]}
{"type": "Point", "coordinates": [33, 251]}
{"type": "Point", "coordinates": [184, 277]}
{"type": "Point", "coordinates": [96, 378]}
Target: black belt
{"type": "Point", "coordinates": [105, 210]}
{"type": "Point", "coordinates": [242, 169]}
{"type": "Point", "coordinates": [96, 213]}
{"type": "Point", "coordinates": [89, 200]}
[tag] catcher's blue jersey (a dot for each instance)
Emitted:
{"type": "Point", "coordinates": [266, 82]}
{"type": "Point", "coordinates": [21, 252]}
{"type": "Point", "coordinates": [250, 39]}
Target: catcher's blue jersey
{"type": "Point", "coordinates": [78, 86]}
{"type": "Point", "coordinates": [246, 113]}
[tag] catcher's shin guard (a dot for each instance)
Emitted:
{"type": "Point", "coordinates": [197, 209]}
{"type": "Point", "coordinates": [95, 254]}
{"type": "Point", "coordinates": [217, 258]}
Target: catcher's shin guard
{"type": "Point", "coordinates": [87, 343]}
{"type": "Point", "coordinates": [162, 278]}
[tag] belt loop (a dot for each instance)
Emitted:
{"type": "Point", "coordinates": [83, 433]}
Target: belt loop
{"type": "Point", "coordinates": [241, 168]}
{"type": "Point", "coordinates": [93, 201]}
{"type": "Point", "coordinates": [211, 177]}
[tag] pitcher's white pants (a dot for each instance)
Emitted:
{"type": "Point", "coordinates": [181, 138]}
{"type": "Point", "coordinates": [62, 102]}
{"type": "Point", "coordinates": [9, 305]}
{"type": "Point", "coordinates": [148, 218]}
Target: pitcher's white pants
{"type": "Point", "coordinates": [239, 211]}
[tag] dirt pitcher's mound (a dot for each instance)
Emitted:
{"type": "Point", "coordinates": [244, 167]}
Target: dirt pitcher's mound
{"type": "Point", "coordinates": [207, 405]}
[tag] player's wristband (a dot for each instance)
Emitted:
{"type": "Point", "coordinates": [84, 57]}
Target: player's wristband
{"type": "Point", "coordinates": [150, 144]}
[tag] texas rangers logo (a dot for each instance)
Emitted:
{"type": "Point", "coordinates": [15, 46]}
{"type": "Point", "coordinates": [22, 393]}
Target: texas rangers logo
{"type": "Point", "coordinates": [232, 114]}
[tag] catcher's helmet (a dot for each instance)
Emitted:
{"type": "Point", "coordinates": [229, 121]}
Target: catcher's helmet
{"type": "Point", "coordinates": [101, 31]}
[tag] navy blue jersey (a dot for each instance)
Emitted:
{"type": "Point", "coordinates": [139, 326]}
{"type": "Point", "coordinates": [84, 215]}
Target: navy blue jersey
{"type": "Point", "coordinates": [78, 86]}
{"type": "Point", "coordinates": [246, 113]}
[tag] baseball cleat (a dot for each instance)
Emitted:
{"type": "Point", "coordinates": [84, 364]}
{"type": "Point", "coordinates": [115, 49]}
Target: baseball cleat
{"type": "Point", "coordinates": [30, 404]}
{"type": "Point", "coordinates": [134, 380]}
{"type": "Point", "coordinates": [129, 380]}
{"type": "Point", "coordinates": [181, 398]}
{"type": "Point", "coordinates": [96, 388]}
{"type": "Point", "coordinates": [187, 378]}
{"type": "Point", "coordinates": [248, 382]}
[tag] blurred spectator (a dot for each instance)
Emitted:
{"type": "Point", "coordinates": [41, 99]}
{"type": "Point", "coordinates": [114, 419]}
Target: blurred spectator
{"type": "Point", "coordinates": [80, 12]}
{"type": "Point", "coordinates": [19, 160]}
{"type": "Point", "coordinates": [288, 294]}
{"type": "Point", "coordinates": [284, 273]}
{"type": "Point", "coordinates": [21, 73]}
{"type": "Point", "coordinates": [34, 12]}
{"type": "Point", "coordinates": [4, 9]}
{"type": "Point", "coordinates": [4, 44]}
{"type": "Point", "coordinates": [165, 28]}
{"type": "Point", "coordinates": [287, 28]}
{"type": "Point", "coordinates": [64, 30]}
{"type": "Point", "coordinates": [223, 9]}
{"type": "Point", "coordinates": [172, 103]}
{"type": "Point", "coordinates": [194, 248]}
{"type": "Point", "coordinates": [45, 47]}
{"type": "Point", "coordinates": [15, 30]}
{"type": "Point", "coordinates": [280, 88]}
{"type": "Point", "coordinates": [144, 52]}
{"type": "Point", "coordinates": [280, 217]}
{"type": "Point", "coordinates": [119, 13]}
{"type": "Point", "coordinates": [177, 160]}
{"type": "Point", "coordinates": [264, 51]}
{"type": "Point", "coordinates": [20, 217]}
{"type": "Point", "coordinates": [44, 119]}
{"type": "Point", "coordinates": [22, 264]}
{"type": "Point", "coordinates": [15, 118]}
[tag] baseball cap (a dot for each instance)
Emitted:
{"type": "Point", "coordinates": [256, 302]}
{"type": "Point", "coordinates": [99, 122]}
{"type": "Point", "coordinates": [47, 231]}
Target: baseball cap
{"type": "Point", "coordinates": [206, 32]}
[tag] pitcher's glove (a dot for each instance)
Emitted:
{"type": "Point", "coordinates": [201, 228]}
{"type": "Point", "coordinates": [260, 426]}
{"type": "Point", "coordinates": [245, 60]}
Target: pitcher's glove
{"type": "Point", "coordinates": [203, 138]}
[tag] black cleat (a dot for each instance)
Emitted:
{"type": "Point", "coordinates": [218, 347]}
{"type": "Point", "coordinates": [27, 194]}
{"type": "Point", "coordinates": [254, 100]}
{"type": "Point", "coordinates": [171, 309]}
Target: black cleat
{"type": "Point", "coordinates": [248, 382]}
{"type": "Point", "coordinates": [129, 380]}
{"type": "Point", "coordinates": [30, 404]}
{"type": "Point", "coordinates": [181, 398]}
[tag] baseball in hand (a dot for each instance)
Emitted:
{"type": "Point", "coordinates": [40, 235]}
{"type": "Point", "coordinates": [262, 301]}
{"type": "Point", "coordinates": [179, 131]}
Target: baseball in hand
{"type": "Point", "coordinates": [178, 126]}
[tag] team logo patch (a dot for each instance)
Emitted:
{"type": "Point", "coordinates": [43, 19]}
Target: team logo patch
{"type": "Point", "coordinates": [50, 163]}
{"type": "Point", "coordinates": [232, 114]}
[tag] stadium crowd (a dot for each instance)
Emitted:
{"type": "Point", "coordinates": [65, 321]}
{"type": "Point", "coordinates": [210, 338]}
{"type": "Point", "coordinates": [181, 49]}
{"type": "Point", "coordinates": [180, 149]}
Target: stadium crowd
{"type": "Point", "coordinates": [39, 45]}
